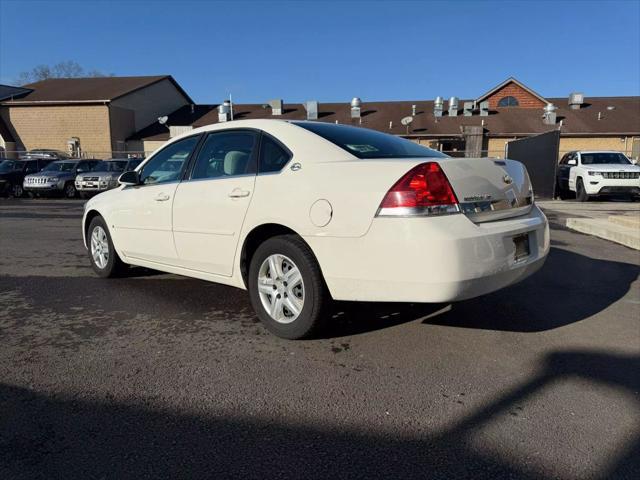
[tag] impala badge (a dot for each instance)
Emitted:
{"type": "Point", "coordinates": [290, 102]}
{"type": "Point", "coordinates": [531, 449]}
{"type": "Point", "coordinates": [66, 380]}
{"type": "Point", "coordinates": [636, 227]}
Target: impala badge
{"type": "Point", "coordinates": [507, 179]}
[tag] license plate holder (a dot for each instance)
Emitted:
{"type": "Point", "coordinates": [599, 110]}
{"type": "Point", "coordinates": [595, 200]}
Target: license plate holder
{"type": "Point", "coordinates": [522, 249]}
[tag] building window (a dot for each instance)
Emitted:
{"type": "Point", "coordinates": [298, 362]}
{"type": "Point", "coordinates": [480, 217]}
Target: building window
{"type": "Point", "coordinates": [508, 102]}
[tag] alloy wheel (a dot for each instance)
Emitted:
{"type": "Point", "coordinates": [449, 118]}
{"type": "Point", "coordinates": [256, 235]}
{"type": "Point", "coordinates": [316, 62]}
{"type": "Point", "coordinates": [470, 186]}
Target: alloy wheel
{"type": "Point", "coordinates": [281, 288]}
{"type": "Point", "coordinates": [100, 247]}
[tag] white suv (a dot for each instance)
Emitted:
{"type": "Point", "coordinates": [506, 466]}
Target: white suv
{"type": "Point", "coordinates": [593, 173]}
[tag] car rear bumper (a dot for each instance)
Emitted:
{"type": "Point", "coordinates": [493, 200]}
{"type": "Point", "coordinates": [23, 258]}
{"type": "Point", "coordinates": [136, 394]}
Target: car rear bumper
{"type": "Point", "coordinates": [439, 259]}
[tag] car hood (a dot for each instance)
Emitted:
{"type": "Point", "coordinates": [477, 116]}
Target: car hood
{"type": "Point", "coordinates": [51, 174]}
{"type": "Point", "coordinates": [607, 167]}
{"type": "Point", "coordinates": [101, 174]}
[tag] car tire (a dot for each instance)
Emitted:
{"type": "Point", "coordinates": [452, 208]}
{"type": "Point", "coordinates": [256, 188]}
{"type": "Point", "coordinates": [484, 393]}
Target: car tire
{"type": "Point", "coordinates": [69, 190]}
{"type": "Point", "coordinates": [16, 191]}
{"type": "Point", "coordinates": [581, 193]}
{"type": "Point", "coordinates": [562, 194]}
{"type": "Point", "coordinates": [98, 243]}
{"type": "Point", "coordinates": [83, 195]}
{"type": "Point", "coordinates": [305, 292]}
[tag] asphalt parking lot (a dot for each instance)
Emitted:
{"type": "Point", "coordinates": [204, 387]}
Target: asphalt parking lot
{"type": "Point", "coordinates": [157, 376]}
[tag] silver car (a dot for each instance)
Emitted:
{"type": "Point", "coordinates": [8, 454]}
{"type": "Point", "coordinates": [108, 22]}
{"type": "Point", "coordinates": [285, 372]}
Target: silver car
{"type": "Point", "coordinates": [57, 178]}
{"type": "Point", "coordinates": [104, 176]}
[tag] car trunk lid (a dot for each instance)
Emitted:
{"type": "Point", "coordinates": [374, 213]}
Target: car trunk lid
{"type": "Point", "coordinates": [489, 189]}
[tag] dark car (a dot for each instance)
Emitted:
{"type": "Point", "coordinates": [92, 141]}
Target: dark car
{"type": "Point", "coordinates": [12, 173]}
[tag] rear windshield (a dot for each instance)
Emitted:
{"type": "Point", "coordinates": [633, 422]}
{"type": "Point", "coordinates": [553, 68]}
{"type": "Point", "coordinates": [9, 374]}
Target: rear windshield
{"type": "Point", "coordinates": [365, 143]}
{"type": "Point", "coordinates": [604, 158]}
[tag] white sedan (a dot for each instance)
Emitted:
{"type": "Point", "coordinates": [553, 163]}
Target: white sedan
{"type": "Point", "coordinates": [299, 213]}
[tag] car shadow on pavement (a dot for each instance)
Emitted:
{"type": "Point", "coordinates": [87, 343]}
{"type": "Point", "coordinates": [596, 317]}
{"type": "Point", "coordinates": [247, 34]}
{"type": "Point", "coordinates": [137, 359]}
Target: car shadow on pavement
{"type": "Point", "coordinates": [569, 288]}
{"type": "Point", "coordinates": [53, 436]}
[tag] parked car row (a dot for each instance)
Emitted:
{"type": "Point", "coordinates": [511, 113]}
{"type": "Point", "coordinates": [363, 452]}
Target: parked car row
{"type": "Point", "coordinates": [40, 173]}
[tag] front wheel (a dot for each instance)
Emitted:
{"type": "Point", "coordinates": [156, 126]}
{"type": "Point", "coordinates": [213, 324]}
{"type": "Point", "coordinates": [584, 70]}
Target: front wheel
{"type": "Point", "coordinates": [17, 191]}
{"type": "Point", "coordinates": [286, 288]}
{"type": "Point", "coordinates": [70, 190]}
{"type": "Point", "coordinates": [104, 259]}
{"type": "Point", "coordinates": [581, 193]}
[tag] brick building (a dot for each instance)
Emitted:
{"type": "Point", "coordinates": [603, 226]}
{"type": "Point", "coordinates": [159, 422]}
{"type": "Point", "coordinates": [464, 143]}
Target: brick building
{"type": "Point", "coordinates": [97, 114]}
{"type": "Point", "coordinates": [112, 116]}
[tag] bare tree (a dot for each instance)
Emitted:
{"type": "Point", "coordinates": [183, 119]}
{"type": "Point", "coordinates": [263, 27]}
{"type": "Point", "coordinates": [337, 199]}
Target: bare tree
{"type": "Point", "coordinates": [68, 69]}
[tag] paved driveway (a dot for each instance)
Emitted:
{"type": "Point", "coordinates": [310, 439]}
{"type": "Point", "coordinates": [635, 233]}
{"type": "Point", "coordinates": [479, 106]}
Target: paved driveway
{"type": "Point", "coordinates": [157, 376]}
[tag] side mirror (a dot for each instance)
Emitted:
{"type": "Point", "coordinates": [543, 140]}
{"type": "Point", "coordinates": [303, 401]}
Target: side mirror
{"type": "Point", "coordinates": [573, 162]}
{"type": "Point", "coordinates": [130, 178]}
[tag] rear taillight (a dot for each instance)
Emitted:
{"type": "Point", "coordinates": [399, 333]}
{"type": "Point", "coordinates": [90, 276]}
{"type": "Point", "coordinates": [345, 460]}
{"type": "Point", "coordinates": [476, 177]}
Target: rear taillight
{"type": "Point", "coordinates": [423, 190]}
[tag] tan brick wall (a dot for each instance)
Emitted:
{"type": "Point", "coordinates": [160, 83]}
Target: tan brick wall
{"type": "Point", "coordinates": [525, 99]}
{"type": "Point", "coordinates": [621, 144]}
{"type": "Point", "coordinates": [52, 126]}
{"type": "Point", "coordinates": [152, 145]}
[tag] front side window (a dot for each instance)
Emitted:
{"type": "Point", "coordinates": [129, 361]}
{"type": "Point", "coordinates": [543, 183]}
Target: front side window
{"type": "Point", "coordinates": [10, 165]}
{"type": "Point", "coordinates": [225, 154]}
{"type": "Point", "coordinates": [168, 164]}
{"type": "Point", "coordinates": [365, 143]}
{"type": "Point", "coordinates": [31, 167]}
{"type": "Point", "coordinates": [273, 156]}
{"type": "Point", "coordinates": [508, 102]}
{"type": "Point", "coordinates": [607, 158]}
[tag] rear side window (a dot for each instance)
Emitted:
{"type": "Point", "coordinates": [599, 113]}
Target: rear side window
{"type": "Point", "coordinates": [365, 143]}
{"type": "Point", "coordinates": [225, 154]}
{"type": "Point", "coordinates": [273, 156]}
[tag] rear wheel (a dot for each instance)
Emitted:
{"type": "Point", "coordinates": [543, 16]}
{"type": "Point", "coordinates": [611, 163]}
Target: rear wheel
{"type": "Point", "coordinates": [104, 259]}
{"type": "Point", "coordinates": [286, 288]}
{"type": "Point", "coordinates": [581, 193]}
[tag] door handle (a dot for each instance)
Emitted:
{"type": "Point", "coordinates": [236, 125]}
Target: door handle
{"type": "Point", "coordinates": [162, 197]}
{"type": "Point", "coordinates": [237, 193]}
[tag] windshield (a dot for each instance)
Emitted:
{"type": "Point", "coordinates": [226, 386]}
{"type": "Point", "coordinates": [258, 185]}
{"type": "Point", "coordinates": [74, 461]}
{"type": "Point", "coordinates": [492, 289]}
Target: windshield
{"type": "Point", "coordinates": [113, 166]}
{"type": "Point", "coordinates": [60, 167]}
{"type": "Point", "coordinates": [365, 143]}
{"type": "Point", "coordinates": [601, 158]}
{"type": "Point", "coordinates": [10, 165]}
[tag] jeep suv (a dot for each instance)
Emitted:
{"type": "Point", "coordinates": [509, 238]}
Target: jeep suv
{"type": "Point", "coordinates": [57, 178]}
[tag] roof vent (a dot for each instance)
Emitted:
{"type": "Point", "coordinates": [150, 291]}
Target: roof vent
{"type": "Point", "coordinates": [549, 114]}
{"type": "Point", "coordinates": [356, 105]}
{"type": "Point", "coordinates": [276, 106]}
{"type": "Point", "coordinates": [413, 110]}
{"type": "Point", "coordinates": [312, 109]}
{"type": "Point", "coordinates": [438, 106]}
{"type": "Point", "coordinates": [224, 111]}
{"type": "Point", "coordinates": [576, 100]}
{"type": "Point", "coordinates": [468, 109]}
{"type": "Point", "coordinates": [453, 106]}
{"type": "Point", "coordinates": [484, 108]}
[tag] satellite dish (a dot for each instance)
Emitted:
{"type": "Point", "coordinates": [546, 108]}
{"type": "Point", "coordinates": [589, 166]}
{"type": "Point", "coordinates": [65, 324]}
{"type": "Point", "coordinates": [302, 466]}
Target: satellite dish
{"type": "Point", "coordinates": [406, 121]}
{"type": "Point", "coordinates": [163, 120]}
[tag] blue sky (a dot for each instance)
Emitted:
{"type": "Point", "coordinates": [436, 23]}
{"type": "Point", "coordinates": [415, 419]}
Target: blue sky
{"type": "Point", "coordinates": [332, 51]}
